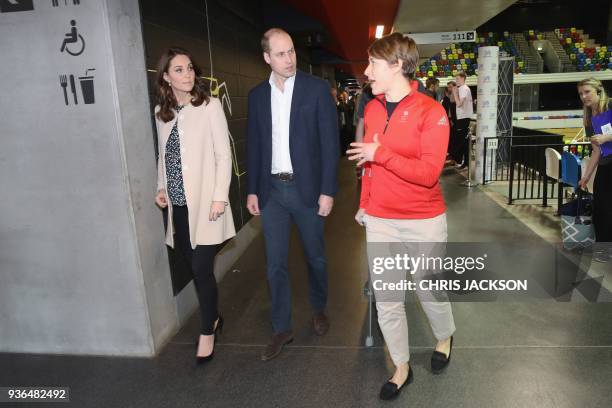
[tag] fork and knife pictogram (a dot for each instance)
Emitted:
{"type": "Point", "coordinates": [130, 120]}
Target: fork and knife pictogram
{"type": "Point", "coordinates": [64, 79]}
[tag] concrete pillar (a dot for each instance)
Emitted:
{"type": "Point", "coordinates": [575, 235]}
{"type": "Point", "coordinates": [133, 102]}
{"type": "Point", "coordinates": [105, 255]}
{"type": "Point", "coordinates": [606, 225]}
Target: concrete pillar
{"type": "Point", "coordinates": [486, 104]}
{"type": "Point", "coordinates": [83, 267]}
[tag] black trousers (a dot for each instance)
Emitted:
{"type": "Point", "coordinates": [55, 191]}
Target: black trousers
{"type": "Point", "coordinates": [452, 143]}
{"type": "Point", "coordinates": [201, 259]}
{"type": "Point", "coordinates": [602, 203]}
{"type": "Point", "coordinates": [461, 131]}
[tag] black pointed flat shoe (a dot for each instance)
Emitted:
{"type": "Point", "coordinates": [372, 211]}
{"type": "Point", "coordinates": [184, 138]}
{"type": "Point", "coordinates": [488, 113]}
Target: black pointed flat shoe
{"type": "Point", "coordinates": [391, 391]}
{"type": "Point", "coordinates": [439, 360]}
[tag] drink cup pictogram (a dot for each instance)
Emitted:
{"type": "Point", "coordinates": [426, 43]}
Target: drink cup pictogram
{"type": "Point", "coordinates": [87, 88]}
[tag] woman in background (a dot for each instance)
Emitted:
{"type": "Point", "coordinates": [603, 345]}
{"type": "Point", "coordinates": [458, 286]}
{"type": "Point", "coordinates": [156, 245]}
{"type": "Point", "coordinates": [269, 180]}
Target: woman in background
{"type": "Point", "coordinates": [596, 101]}
{"type": "Point", "coordinates": [194, 174]}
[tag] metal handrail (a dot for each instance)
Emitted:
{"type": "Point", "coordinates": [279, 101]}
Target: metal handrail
{"type": "Point", "coordinates": [530, 173]}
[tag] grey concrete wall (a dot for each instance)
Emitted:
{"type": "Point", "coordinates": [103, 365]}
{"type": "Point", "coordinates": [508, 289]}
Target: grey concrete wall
{"type": "Point", "coordinates": [83, 268]}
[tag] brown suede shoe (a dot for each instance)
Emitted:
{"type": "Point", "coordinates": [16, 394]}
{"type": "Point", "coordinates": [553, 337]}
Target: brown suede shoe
{"type": "Point", "coordinates": [320, 323]}
{"type": "Point", "coordinates": [276, 345]}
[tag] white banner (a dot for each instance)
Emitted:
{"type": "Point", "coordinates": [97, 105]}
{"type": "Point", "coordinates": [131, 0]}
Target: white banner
{"type": "Point", "coordinates": [443, 38]}
{"type": "Point", "coordinates": [486, 107]}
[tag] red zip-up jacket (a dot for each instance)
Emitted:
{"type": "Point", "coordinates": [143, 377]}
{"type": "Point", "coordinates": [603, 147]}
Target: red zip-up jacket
{"type": "Point", "coordinates": [402, 182]}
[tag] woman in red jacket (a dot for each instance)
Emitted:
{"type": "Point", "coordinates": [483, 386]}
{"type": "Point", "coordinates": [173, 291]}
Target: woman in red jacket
{"type": "Point", "coordinates": [403, 153]}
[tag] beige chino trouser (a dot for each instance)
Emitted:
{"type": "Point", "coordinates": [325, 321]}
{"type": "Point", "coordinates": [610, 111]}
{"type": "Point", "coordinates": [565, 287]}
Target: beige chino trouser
{"type": "Point", "coordinates": [415, 237]}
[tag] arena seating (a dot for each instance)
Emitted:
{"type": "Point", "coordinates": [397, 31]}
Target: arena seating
{"type": "Point", "coordinates": [583, 53]}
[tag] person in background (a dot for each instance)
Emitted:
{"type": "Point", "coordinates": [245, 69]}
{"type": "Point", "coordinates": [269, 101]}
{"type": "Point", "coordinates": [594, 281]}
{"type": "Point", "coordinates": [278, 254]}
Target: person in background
{"type": "Point", "coordinates": [356, 102]}
{"type": "Point", "coordinates": [401, 201]}
{"type": "Point", "coordinates": [366, 96]}
{"type": "Point", "coordinates": [595, 101]}
{"type": "Point", "coordinates": [432, 84]}
{"type": "Point", "coordinates": [194, 172]}
{"type": "Point", "coordinates": [465, 109]}
{"type": "Point", "coordinates": [346, 110]}
{"type": "Point", "coordinates": [342, 109]}
{"type": "Point", "coordinates": [350, 102]}
{"type": "Point", "coordinates": [448, 102]}
{"type": "Point", "coordinates": [339, 114]}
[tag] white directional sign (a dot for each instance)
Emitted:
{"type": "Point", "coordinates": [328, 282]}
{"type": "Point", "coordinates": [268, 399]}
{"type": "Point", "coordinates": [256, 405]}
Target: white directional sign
{"type": "Point", "coordinates": [443, 38]}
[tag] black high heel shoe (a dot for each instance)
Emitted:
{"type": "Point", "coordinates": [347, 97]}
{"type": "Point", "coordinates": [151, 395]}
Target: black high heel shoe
{"type": "Point", "coordinates": [219, 329]}
{"type": "Point", "coordinates": [390, 391]}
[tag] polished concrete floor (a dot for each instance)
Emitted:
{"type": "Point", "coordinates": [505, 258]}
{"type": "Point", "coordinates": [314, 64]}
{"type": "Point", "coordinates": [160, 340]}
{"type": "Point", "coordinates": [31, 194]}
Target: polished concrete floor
{"type": "Point", "coordinates": [522, 354]}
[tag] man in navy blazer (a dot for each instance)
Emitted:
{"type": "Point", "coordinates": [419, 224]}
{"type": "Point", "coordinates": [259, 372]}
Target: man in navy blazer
{"type": "Point", "coordinates": [292, 158]}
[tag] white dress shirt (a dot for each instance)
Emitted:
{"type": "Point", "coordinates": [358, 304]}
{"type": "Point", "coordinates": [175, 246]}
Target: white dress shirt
{"type": "Point", "coordinates": [281, 113]}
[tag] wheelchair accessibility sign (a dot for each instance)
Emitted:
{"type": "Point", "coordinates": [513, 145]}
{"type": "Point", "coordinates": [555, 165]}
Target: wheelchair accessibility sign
{"type": "Point", "coordinates": [74, 43]}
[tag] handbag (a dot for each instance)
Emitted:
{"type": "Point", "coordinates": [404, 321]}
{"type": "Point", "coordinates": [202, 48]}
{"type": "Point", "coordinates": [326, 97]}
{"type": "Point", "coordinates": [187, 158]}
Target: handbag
{"type": "Point", "coordinates": [577, 231]}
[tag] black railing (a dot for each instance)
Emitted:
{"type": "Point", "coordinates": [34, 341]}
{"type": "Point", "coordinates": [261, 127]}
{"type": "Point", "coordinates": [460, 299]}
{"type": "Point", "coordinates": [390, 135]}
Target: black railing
{"type": "Point", "coordinates": [528, 179]}
{"type": "Point", "coordinates": [523, 164]}
{"type": "Point", "coordinates": [495, 162]}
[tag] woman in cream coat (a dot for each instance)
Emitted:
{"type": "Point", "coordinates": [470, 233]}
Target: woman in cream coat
{"type": "Point", "coordinates": [194, 174]}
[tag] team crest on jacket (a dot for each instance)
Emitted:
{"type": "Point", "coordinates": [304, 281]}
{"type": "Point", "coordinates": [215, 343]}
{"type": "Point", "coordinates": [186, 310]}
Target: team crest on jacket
{"type": "Point", "coordinates": [404, 117]}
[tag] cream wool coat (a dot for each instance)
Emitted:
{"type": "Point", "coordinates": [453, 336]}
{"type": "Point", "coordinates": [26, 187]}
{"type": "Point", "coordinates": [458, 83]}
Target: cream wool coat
{"type": "Point", "coordinates": [206, 161]}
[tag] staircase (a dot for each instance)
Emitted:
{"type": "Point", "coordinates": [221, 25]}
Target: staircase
{"type": "Point", "coordinates": [533, 62]}
{"type": "Point", "coordinates": [590, 43]}
{"type": "Point", "coordinates": [566, 64]}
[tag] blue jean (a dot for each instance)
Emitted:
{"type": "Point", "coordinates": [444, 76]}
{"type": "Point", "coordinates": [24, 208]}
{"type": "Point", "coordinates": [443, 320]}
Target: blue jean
{"type": "Point", "coordinates": [284, 205]}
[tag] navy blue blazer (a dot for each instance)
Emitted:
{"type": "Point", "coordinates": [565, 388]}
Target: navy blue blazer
{"type": "Point", "coordinates": [313, 140]}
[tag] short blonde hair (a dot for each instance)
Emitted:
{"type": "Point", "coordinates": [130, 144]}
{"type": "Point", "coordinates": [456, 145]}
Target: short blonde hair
{"type": "Point", "coordinates": [395, 47]}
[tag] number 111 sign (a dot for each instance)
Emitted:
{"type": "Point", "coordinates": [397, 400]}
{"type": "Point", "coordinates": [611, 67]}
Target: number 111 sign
{"type": "Point", "coordinates": [443, 38]}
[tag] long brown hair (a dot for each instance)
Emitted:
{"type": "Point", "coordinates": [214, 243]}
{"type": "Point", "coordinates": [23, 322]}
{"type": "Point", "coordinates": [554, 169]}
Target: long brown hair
{"type": "Point", "coordinates": [165, 97]}
{"type": "Point", "coordinates": [603, 99]}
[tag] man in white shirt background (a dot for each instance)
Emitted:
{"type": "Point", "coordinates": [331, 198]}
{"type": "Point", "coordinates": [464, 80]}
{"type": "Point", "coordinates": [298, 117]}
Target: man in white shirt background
{"type": "Point", "coordinates": [465, 110]}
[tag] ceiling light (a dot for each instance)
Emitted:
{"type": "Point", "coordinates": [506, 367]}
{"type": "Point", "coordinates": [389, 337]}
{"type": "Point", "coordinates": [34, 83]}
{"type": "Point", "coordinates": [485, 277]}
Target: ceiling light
{"type": "Point", "coordinates": [379, 31]}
